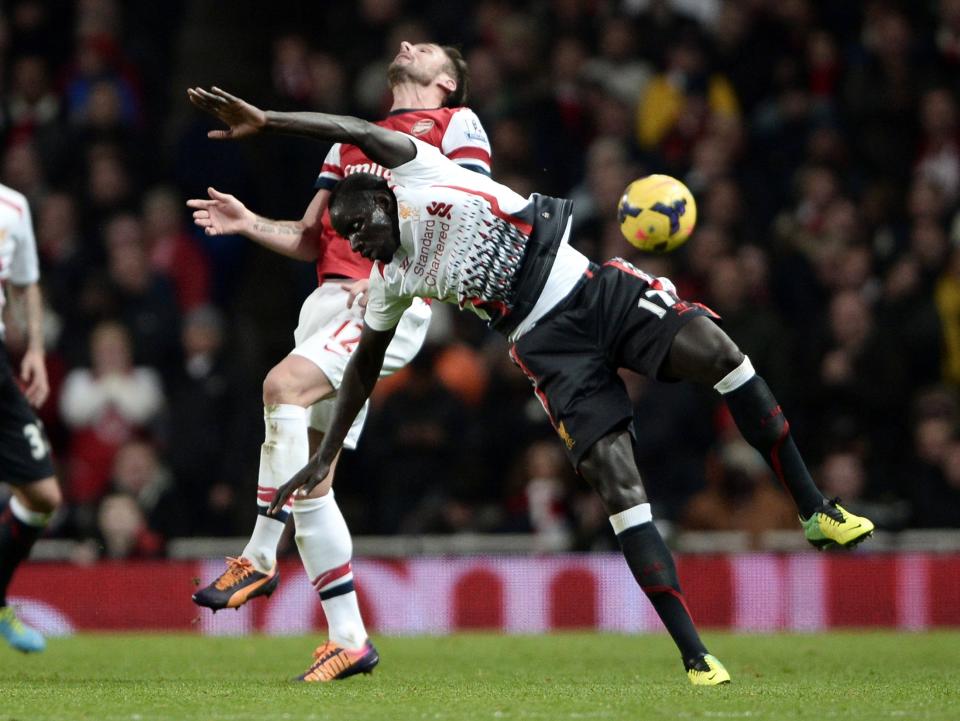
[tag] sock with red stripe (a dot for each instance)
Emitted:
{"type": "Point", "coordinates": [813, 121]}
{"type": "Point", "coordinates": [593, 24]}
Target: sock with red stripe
{"type": "Point", "coordinates": [19, 530]}
{"type": "Point", "coordinates": [326, 549]}
{"type": "Point", "coordinates": [652, 565]}
{"type": "Point", "coordinates": [285, 451]}
{"type": "Point", "coordinates": [763, 425]}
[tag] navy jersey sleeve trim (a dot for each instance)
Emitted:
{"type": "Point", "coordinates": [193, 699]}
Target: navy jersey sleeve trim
{"type": "Point", "coordinates": [475, 168]}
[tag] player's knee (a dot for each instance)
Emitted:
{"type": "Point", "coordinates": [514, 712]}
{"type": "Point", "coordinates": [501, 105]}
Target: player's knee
{"type": "Point", "coordinates": [295, 381]}
{"type": "Point", "coordinates": [281, 386]}
{"type": "Point", "coordinates": [43, 497]}
{"type": "Point", "coordinates": [724, 357]}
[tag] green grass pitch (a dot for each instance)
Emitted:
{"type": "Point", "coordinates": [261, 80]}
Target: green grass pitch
{"type": "Point", "coordinates": [844, 676]}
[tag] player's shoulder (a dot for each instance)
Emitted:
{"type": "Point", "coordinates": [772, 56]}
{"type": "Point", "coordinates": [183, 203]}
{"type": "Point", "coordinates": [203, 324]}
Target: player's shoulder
{"type": "Point", "coordinates": [13, 200]}
{"type": "Point", "coordinates": [431, 124]}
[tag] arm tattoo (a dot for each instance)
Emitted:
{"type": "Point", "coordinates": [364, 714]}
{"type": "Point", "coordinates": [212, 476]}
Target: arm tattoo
{"type": "Point", "coordinates": [276, 228]}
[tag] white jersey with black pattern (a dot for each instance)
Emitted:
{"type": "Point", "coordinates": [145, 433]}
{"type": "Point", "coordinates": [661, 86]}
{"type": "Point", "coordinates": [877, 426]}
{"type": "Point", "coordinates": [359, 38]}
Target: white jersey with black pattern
{"type": "Point", "coordinates": [18, 247]}
{"type": "Point", "coordinates": [462, 240]}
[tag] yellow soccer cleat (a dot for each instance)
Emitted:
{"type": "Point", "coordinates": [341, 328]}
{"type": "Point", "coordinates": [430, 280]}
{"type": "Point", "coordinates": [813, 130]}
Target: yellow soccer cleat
{"type": "Point", "coordinates": [708, 671]}
{"type": "Point", "coordinates": [833, 526]}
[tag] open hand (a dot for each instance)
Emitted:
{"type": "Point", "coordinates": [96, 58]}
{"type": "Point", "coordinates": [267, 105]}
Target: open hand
{"type": "Point", "coordinates": [242, 118]}
{"type": "Point", "coordinates": [221, 214]}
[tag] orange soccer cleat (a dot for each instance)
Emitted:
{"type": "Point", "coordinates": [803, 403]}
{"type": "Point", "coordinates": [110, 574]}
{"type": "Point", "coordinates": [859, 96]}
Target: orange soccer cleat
{"type": "Point", "coordinates": [237, 585]}
{"type": "Point", "coordinates": [334, 663]}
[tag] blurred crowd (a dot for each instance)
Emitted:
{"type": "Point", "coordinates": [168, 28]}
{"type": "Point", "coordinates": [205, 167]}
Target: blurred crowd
{"type": "Point", "coordinates": [821, 140]}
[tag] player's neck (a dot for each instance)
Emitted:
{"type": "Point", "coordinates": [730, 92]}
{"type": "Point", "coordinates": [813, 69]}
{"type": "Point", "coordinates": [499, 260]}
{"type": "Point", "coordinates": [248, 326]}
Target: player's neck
{"type": "Point", "coordinates": [416, 97]}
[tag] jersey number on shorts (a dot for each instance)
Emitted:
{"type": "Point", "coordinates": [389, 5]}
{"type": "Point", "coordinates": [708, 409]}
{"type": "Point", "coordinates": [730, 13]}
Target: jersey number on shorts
{"type": "Point", "coordinates": [34, 436]}
{"type": "Point", "coordinates": [345, 338]}
{"type": "Point", "coordinates": [666, 298]}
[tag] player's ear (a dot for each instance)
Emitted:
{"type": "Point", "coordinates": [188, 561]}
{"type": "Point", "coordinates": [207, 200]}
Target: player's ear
{"type": "Point", "coordinates": [446, 82]}
{"type": "Point", "coordinates": [386, 200]}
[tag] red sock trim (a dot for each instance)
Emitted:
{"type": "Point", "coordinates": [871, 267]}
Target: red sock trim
{"type": "Point", "coordinates": [775, 454]}
{"type": "Point", "coordinates": [328, 577]}
{"type": "Point", "coordinates": [651, 590]}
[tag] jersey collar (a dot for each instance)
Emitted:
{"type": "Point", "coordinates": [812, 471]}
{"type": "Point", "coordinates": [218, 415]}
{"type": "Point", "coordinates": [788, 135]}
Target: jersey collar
{"type": "Point", "coordinates": [401, 111]}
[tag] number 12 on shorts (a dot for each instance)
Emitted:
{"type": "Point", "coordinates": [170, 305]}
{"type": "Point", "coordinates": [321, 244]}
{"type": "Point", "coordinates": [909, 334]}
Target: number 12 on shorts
{"type": "Point", "coordinates": [665, 297]}
{"type": "Point", "coordinates": [345, 338]}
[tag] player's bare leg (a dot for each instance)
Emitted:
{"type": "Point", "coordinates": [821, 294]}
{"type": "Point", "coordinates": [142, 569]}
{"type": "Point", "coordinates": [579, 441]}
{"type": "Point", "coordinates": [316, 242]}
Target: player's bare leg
{"type": "Point", "coordinates": [21, 524]}
{"type": "Point", "coordinates": [702, 352]}
{"type": "Point", "coordinates": [289, 389]}
{"type": "Point", "coordinates": [609, 467]}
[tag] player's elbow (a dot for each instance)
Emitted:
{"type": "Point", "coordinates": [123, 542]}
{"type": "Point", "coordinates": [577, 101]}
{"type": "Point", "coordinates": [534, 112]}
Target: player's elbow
{"type": "Point", "coordinates": [308, 249]}
{"type": "Point", "coordinates": [18, 292]}
{"type": "Point", "coordinates": [361, 132]}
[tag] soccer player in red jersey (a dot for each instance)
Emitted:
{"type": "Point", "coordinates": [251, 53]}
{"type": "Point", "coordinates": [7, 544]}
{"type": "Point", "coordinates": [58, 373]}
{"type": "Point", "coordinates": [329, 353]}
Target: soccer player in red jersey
{"type": "Point", "coordinates": [429, 85]}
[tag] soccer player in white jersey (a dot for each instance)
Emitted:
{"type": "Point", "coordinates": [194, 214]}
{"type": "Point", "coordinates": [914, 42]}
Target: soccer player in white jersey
{"type": "Point", "coordinates": [429, 85]}
{"type": "Point", "coordinates": [25, 461]}
{"type": "Point", "coordinates": [461, 238]}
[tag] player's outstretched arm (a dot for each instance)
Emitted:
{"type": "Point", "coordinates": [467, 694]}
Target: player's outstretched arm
{"type": "Point", "coordinates": [224, 214]}
{"type": "Point", "coordinates": [386, 147]}
{"type": "Point", "coordinates": [359, 378]}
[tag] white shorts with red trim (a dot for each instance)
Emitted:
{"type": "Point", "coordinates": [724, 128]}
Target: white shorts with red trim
{"type": "Point", "coordinates": [327, 334]}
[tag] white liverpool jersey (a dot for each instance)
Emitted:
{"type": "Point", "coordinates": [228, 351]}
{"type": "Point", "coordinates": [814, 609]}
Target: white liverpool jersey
{"type": "Point", "coordinates": [464, 239]}
{"type": "Point", "coordinates": [18, 248]}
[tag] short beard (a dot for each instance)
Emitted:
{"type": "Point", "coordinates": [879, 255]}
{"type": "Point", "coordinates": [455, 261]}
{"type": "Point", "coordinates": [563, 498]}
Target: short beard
{"type": "Point", "coordinates": [398, 74]}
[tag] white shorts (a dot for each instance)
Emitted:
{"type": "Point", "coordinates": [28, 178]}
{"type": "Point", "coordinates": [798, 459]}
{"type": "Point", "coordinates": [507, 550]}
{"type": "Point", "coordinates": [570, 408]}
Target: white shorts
{"type": "Point", "coordinates": [327, 334]}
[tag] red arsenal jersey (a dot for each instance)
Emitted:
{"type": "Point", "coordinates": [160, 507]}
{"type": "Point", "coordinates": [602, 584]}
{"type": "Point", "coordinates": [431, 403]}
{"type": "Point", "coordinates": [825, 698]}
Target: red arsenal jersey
{"type": "Point", "coordinates": [458, 134]}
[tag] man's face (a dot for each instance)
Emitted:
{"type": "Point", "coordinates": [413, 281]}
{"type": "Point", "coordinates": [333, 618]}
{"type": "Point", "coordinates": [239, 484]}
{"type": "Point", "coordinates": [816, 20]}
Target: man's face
{"type": "Point", "coordinates": [421, 63]}
{"type": "Point", "coordinates": [368, 220]}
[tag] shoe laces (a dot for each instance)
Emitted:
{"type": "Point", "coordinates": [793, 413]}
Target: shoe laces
{"type": "Point", "coordinates": [238, 569]}
{"type": "Point", "coordinates": [322, 656]}
{"type": "Point", "coordinates": [832, 512]}
{"type": "Point", "coordinates": [326, 652]}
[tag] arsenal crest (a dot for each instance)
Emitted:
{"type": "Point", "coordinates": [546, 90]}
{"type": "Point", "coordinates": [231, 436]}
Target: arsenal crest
{"type": "Point", "coordinates": [422, 127]}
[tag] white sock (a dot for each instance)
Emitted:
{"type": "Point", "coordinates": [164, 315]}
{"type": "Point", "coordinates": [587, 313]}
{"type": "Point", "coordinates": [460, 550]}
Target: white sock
{"type": "Point", "coordinates": [285, 451]}
{"type": "Point", "coordinates": [26, 516]}
{"type": "Point", "coordinates": [326, 549]}
{"type": "Point", "coordinates": [631, 517]}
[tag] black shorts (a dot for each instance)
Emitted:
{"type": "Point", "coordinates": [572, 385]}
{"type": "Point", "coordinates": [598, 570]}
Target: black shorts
{"type": "Point", "coordinates": [619, 317]}
{"type": "Point", "coordinates": [24, 449]}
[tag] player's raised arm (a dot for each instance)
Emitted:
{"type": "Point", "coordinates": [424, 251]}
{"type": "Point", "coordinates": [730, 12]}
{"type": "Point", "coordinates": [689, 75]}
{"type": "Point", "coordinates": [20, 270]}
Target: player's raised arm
{"type": "Point", "coordinates": [386, 147]}
{"type": "Point", "coordinates": [359, 378]}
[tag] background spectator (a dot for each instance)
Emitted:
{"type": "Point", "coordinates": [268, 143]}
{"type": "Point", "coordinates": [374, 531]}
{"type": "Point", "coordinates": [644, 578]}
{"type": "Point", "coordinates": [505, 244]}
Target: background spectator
{"type": "Point", "coordinates": [821, 142]}
{"type": "Point", "coordinates": [105, 406]}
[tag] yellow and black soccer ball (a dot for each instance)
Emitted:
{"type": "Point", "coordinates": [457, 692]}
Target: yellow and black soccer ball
{"type": "Point", "coordinates": [657, 213]}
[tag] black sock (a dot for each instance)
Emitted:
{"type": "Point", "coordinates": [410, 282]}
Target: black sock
{"type": "Point", "coordinates": [16, 540]}
{"type": "Point", "coordinates": [652, 565]}
{"type": "Point", "coordinates": [761, 421]}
